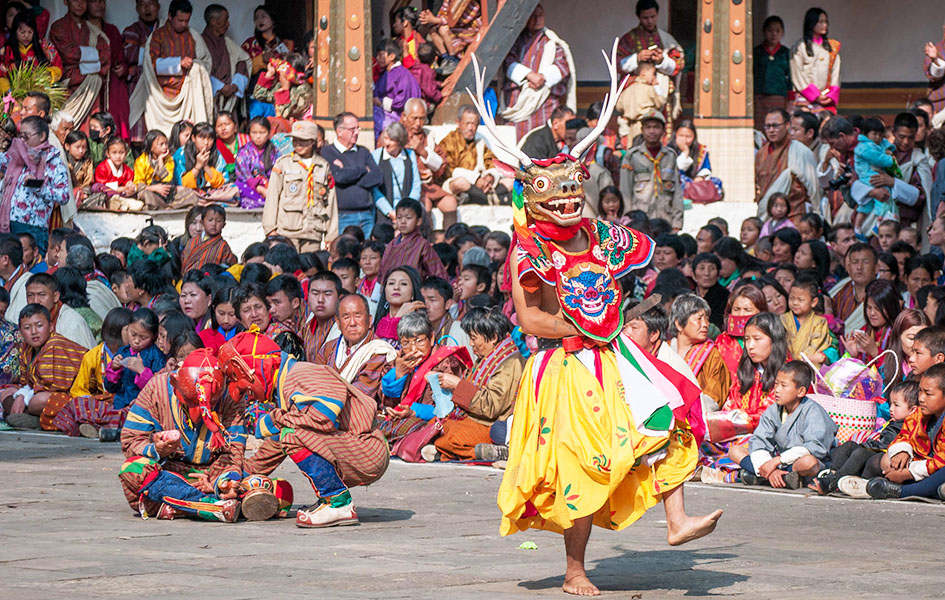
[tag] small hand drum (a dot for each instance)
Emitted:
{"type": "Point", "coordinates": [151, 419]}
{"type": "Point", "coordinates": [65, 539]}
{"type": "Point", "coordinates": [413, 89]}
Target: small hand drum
{"type": "Point", "coordinates": [259, 500]}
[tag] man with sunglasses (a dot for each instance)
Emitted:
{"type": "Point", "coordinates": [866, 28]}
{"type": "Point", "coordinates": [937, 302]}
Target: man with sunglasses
{"type": "Point", "coordinates": [35, 180]}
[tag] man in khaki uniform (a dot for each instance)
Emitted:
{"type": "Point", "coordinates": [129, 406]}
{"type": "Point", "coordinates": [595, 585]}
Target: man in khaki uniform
{"type": "Point", "coordinates": [649, 180]}
{"type": "Point", "coordinates": [300, 200]}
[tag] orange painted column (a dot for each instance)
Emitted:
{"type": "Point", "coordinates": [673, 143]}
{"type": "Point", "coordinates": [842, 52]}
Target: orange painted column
{"type": "Point", "coordinates": [343, 53]}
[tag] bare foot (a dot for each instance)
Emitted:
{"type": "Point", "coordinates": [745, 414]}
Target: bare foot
{"type": "Point", "coordinates": [579, 585]}
{"type": "Point", "coordinates": [691, 528]}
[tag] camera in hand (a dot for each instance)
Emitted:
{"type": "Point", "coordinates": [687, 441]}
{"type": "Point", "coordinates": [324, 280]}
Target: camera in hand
{"type": "Point", "coordinates": [841, 180]}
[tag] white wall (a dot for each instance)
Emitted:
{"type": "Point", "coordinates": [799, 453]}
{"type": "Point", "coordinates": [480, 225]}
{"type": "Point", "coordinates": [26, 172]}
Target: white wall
{"type": "Point", "coordinates": [881, 40]}
{"type": "Point", "coordinates": [121, 13]}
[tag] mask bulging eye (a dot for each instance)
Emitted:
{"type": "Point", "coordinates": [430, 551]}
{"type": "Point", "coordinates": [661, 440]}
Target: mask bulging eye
{"type": "Point", "coordinates": [541, 184]}
{"type": "Point", "coordinates": [578, 176]}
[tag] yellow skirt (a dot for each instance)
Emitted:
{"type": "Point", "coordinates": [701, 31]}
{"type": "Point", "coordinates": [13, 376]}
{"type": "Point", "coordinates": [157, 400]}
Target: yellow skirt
{"type": "Point", "coordinates": [575, 451]}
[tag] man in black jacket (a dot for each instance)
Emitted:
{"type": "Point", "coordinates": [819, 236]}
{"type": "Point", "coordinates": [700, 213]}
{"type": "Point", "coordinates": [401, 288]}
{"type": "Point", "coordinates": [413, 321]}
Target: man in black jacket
{"type": "Point", "coordinates": [355, 174]}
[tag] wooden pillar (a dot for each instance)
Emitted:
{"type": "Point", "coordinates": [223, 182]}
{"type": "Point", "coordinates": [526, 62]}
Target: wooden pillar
{"type": "Point", "coordinates": [723, 96]}
{"type": "Point", "coordinates": [343, 52]}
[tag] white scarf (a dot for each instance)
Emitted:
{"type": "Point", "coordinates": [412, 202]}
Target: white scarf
{"type": "Point", "coordinates": [350, 366]}
{"type": "Point", "coordinates": [530, 99]}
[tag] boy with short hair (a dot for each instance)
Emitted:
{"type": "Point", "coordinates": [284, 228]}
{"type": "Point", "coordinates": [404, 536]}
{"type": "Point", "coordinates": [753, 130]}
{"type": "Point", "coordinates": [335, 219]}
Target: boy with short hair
{"type": "Point", "coordinates": [209, 247]}
{"type": "Point", "coordinates": [56, 238]}
{"type": "Point", "coordinates": [287, 305]}
{"type": "Point", "coordinates": [48, 366]}
{"type": "Point", "coordinates": [928, 348]}
{"type": "Point", "coordinates": [123, 288]}
{"type": "Point", "coordinates": [438, 297]}
{"type": "Point", "coordinates": [793, 438]}
{"type": "Point", "coordinates": [807, 332]}
{"type": "Point", "coordinates": [917, 454]}
{"type": "Point", "coordinates": [348, 272]}
{"type": "Point", "coordinates": [409, 247]}
{"type": "Point", "coordinates": [852, 461]}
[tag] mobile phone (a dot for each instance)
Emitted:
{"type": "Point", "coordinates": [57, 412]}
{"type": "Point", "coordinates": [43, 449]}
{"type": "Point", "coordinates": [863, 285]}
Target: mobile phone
{"type": "Point", "coordinates": [33, 183]}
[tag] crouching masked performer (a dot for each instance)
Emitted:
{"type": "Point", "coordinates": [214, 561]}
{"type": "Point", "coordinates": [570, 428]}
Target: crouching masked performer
{"type": "Point", "coordinates": [319, 420]}
{"type": "Point", "coordinates": [599, 434]}
{"type": "Point", "coordinates": [183, 441]}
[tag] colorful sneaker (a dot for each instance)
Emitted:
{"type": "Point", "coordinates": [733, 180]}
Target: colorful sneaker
{"type": "Point", "coordinates": [88, 430]}
{"type": "Point", "coordinates": [326, 515]}
{"type": "Point", "coordinates": [491, 452]}
{"type": "Point", "coordinates": [852, 486]}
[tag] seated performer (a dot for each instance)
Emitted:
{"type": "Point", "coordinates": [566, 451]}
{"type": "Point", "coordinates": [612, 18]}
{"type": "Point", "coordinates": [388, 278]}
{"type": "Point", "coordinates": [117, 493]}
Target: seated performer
{"type": "Point", "coordinates": [360, 357]}
{"type": "Point", "coordinates": [48, 365]}
{"type": "Point", "coordinates": [319, 421]}
{"type": "Point", "coordinates": [487, 393]}
{"type": "Point", "coordinates": [182, 439]}
{"type": "Point", "coordinates": [563, 474]}
{"type": "Point", "coordinates": [408, 397]}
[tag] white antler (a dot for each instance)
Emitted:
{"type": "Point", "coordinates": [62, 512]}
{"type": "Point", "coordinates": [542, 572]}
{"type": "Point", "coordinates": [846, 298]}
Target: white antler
{"type": "Point", "coordinates": [610, 101]}
{"type": "Point", "coordinates": [491, 131]}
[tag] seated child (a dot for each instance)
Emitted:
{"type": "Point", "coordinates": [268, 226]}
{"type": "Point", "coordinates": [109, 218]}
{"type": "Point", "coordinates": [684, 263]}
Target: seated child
{"type": "Point", "coordinates": [793, 438]}
{"type": "Point", "coordinates": [348, 272]}
{"type": "Point", "coordinates": [852, 461]}
{"type": "Point", "coordinates": [137, 361]}
{"type": "Point", "coordinates": [928, 349]}
{"type": "Point", "coordinates": [102, 128]}
{"type": "Point", "coordinates": [872, 156]}
{"type": "Point", "coordinates": [210, 247]}
{"type": "Point", "coordinates": [115, 179]}
{"type": "Point", "coordinates": [407, 396]}
{"type": "Point", "coordinates": [150, 245]}
{"type": "Point", "coordinates": [154, 172]}
{"type": "Point", "coordinates": [887, 234]}
{"type": "Point", "coordinates": [410, 248]}
{"type": "Point", "coordinates": [254, 164]}
{"type": "Point", "coordinates": [181, 347]}
{"type": "Point", "coordinates": [123, 287]}
{"type": "Point", "coordinates": [283, 85]}
{"type": "Point", "coordinates": [372, 252]}
{"type": "Point", "coordinates": [913, 464]}
{"type": "Point", "coordinates": [225, 323]}
{"type": "Point", "coordinates": [91, 413]}
{"type": "Point", "coordinates": [422, 71]}
{"type": "Point", "coordinates": [807, 332]}
{"type": "Point", "coordinates": [81, 169]}
{"type": "Point", "coordinates": [48, 366]}
{"type": "Point", "coordinates": [778, 209]}
{"type": "Point", "coordinates": [119, 248]}
{"type": "Point", "coordinates": [472, 280]}
{"type": "Point", "coordinates": [200, 169]}
{"type": "Point", "coordinates": [637, 100]}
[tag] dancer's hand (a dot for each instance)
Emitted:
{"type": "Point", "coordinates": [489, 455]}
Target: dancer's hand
{"type": "Point", "coordinates": [164, 447]}
{"type": "Point", "coordinates": [201, 482]}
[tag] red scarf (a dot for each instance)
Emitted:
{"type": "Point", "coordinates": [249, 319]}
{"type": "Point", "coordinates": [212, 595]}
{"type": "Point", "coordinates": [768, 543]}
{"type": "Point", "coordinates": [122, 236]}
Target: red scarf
{"type": "Point", "coordinates": [418, 382]}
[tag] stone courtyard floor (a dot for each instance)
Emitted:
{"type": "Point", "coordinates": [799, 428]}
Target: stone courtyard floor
{"type": "Point", "coordinates": [431, 531]}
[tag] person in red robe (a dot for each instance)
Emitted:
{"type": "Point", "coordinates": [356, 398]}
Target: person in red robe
{"type": "Point", "coordinates": [26, 46]}
{"type": "Point", "coordinates": [117, 86]}
{"type": "Point", "coordinates": [85, 52]}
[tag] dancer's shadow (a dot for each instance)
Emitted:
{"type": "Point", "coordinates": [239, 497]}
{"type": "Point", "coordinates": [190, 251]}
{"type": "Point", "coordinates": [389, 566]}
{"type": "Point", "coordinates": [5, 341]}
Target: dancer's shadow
{"type": "Point", "coordinates": [383, 515]}
{"type": "Point", "coordinates": [634, 571]}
